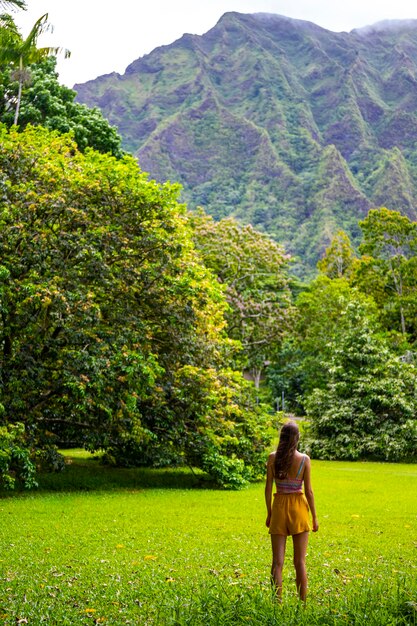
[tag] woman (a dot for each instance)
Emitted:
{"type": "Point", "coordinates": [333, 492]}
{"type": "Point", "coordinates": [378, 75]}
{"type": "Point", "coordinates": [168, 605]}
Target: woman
{"type": "Point", "coordinates": [289, 512]}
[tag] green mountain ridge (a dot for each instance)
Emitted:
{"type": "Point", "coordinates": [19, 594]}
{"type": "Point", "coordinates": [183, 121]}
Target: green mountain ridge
{"type": "Point", "coordinates": [279, 122]}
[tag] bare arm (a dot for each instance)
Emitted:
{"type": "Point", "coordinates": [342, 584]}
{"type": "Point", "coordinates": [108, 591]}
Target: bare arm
{"type": "Point", "coordinates": [308, 490]}
{"type": "Point", "coordinates": [268, 486]}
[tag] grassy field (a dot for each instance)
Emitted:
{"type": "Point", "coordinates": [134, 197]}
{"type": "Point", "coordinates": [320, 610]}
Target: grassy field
{"type": "Point", "coordinates": [103, 546]}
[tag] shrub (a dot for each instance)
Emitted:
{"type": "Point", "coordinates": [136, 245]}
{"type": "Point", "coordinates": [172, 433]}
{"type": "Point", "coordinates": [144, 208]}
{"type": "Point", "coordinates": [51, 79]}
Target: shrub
{"type": "Point", "coordinates": [16, 465]}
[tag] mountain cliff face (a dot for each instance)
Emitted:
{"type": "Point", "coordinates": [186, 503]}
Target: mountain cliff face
{"type": "Point", "coordinates": [276, 121]}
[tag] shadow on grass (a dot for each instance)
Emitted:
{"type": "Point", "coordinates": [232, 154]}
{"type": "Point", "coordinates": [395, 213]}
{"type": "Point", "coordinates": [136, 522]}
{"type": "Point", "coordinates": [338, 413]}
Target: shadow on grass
{"type": "Point", "coordinates": [84, 472]}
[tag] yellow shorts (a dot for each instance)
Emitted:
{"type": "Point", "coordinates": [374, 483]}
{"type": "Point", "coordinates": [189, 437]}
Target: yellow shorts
{"type": "Point", "coordinates": [290, 514]}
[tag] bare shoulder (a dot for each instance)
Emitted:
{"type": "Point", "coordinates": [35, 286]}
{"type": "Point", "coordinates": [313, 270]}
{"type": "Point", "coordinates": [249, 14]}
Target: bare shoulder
{"type": "Point", "coordinates": [303, 458]}
{"type": "Point", "coordinates": [307, 461]}
{"type": "Point", "coordinates": [271, 458]}
{"type": "Point", "coordinates": [299, 456]}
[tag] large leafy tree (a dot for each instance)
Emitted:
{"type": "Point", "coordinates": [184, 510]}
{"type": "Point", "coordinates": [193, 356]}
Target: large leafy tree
{"type": "Point", "coordinates": [298, 369]}
{"type": "Point", "coordinates": [254, 272]}
{"type": "Point", "coordinates": [367, 408]}
{"type": "Point", "coordinates": [108, 320]}
{"type": "Point", "coordinates": [388, 268]}
{"type": "Point", "coordinates": [339, 259]}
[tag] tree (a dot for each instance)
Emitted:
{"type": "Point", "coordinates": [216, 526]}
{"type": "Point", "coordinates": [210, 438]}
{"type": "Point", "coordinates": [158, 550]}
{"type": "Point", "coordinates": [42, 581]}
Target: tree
{"type": "Point", "coordinates": [108, 319]}
{"type": "Point", "coordinates": [211, 418]}
{"type": "Point", "coordinates": [319, 308]}
{"type": "Point", "coordinates": [19, 53]}
{"type": "Point", "coordinates": [368, 406]}
{"type": "Point", "coordinates": [253, 270]}
{"type": "Point", "coordinates": [48, 103]}
{"type": "Point", "coordinates": [339, 258]}
{"type": "Point", "coordinates": [388, 268]}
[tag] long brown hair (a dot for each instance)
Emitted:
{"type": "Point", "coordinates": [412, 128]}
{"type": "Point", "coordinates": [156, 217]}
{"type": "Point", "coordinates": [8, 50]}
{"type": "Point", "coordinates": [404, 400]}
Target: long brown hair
{"type": "Point", "coordinates": [288, 440]}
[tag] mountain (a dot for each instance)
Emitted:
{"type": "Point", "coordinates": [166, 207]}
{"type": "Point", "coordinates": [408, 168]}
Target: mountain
{"type": "Point", "coordinates": [277, 121]}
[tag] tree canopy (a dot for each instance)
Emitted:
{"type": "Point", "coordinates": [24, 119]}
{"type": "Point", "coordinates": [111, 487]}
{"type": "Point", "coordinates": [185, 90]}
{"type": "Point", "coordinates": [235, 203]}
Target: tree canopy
{"type": "Point", "coordinates": [388, 268]}
{"type": "Point", "coordinates": [30, 92]}
{"type": "Point", "coordinates": [108, 317]}
{"type": "Point", "coordinates": [254, 271]}
{"type": "Point", "coordinates": [126, 322]}
{"type": "Point", "coordinates": [349, 363]}
{"type": "Point", "coordinates": [366, 409]}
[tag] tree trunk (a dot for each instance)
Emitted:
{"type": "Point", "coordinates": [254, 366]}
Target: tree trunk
{"type": "Point", "coordinates": [19, 93]}
{"type": "Point", "coordinates": [402, 320]}
{"type": "Point", "coordinates": [257, 373]}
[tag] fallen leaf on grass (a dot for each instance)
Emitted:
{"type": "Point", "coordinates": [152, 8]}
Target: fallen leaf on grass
{"type": "Point", "coordinates": [150, 557]}
{"type": "Point", "coordinates": [214, 572]}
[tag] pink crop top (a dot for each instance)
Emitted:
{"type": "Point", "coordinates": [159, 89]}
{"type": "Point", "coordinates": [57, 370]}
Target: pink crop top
{"type": "Point", "coordinates": [291, 485]}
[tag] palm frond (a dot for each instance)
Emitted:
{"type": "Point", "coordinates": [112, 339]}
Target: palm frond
{"type": "Point", "coordinates": [11, 5]}
{"type": "Point", "coordinates": [40, 27]}
{"type": "Point", "coordinates": [10, 40]}
{"type": "Point", "coordinates": [8, 24]}
{"type": "Point", "coordinates": [52, 51]}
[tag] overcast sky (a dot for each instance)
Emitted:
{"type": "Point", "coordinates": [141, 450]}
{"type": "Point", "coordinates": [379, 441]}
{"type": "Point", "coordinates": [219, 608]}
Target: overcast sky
{"type": "Point", "coordinates": [106, 36]}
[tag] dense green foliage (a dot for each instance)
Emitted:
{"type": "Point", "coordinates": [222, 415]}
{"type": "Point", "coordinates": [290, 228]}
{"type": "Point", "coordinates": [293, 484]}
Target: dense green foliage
{"type": "Point", "coordinates": [294, 129]}
{"type": "Point", "coordinates": [16, 464]}
{"type": "Point", "coordinates": [124, 318]}
{"type": "Point", "coordinates": [48, 103]}
{"type": "Point", "coordinates": [31, 94]}
{"type": "Point", "coordinates": [17, 53]}
{"type": "Point", "coordinates": [253, 269]}
{"type": "Point", "coordinates": [301, 365]}
{"type": "Point", "coordinates": [388, 269]}
{"type": "Point", "coordinates": [367, 407]}
{"type": "Point", "coordinates": [111, 330]}
{"type": "Point", "coordinates": [350, 360]}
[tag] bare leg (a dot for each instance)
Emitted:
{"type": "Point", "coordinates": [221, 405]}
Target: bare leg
{"type": "Point", "coordinates": [300, 550]}
{"type": "Point", "coordinates": [278, 543]}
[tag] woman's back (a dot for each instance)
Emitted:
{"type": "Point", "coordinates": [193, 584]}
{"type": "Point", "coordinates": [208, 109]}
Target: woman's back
{"type": "Point", "coordinates": [293, 482]}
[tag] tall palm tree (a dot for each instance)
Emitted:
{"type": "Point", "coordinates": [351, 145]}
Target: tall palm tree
{"type": "Point", "coordinates": [19, 53]}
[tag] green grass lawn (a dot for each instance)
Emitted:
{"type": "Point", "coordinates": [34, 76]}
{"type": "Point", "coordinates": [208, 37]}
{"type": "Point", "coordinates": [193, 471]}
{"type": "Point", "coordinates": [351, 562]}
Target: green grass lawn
{"type": "Point", "coordinates": [98, 545]}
